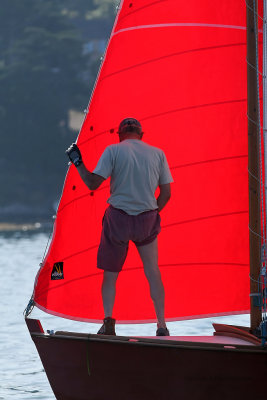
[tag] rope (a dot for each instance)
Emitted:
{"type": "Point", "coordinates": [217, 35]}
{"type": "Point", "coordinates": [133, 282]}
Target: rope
{"type": "Point", "coordinates": [29, 308]}
{"type": "Point", "coordinates": [262, 279]}
{"type": "Point", "coordinates": [254, 280]}
{"type": "Point", "coordinates": [255, 68]}
{"type": "Point", "coordinates": [48, 242]}
{"type": "Point", "coordinates": [256, 123]}
{"type": "Point", "coordinates": [259, 122]}
{"type": "Point", "coordinates": [255, 13]}
{"type": "Point", "coordinates": [257, 179]}
{"type": "Point", "coordinates": [255, 233]}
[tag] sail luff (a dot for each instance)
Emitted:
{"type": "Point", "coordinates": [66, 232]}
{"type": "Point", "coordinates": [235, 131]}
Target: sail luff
{"type": "Point", "coordinates": [119, 7]}
{"type": "Point", "coordinates": [253, 166]}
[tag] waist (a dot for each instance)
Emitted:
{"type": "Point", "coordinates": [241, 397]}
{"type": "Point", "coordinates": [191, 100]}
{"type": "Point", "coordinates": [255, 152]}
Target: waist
{"type": "Point", "coordinates": [125, 213]}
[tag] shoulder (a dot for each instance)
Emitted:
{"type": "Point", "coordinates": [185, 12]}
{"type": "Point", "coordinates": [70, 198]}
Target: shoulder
{"type": "Point", "coordinates": [154, 149]}
{"type": "Point", "coordinates": [151, 146]}
{"type": "Point", "coordinates": [111, 149]}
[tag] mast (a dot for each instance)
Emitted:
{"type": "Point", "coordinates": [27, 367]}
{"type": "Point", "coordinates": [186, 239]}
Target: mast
{"type": "Point", "coordinates": [264, 82]}
{"type": "Point", "coordinates": [253, 167]}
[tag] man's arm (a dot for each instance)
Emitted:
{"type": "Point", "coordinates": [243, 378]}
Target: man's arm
{"type": "Point", "coordinates": [92, 181]}
{"type": "Point", "coordinates": [164, 195]}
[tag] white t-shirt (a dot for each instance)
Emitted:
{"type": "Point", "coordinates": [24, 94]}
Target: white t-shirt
{"type": "Point", "coordinates": [135, 169]}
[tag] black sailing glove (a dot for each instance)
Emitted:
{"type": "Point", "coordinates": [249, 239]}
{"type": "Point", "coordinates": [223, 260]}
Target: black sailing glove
{"type": "Point", "coordinates": [74, 154]}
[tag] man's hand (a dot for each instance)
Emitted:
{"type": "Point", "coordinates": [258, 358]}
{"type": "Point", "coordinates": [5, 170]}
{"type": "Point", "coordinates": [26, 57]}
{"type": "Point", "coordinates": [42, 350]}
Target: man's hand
{"type": "Point", "coordinates": [74, 154]}
{"type": "Point", "coordinates": [164, 195]}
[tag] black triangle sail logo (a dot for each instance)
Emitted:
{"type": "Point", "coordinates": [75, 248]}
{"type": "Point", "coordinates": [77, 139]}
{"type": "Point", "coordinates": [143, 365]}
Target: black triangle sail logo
{"type": "Point", "coordinates": [57, 272]}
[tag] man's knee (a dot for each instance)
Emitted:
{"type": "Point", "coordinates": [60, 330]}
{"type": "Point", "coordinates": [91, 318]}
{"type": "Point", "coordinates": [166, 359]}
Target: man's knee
{"type": "Point", "coordinates": [110, 277]}
{"type": "Point", "coordinates": [152, 272]}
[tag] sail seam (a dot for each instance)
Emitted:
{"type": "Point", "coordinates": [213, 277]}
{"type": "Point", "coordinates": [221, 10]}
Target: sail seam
{"type": "Point", "coordinates": [180, 53]}
{"type": "Point", "coordinates": [206, 263]}
{"type": "Point", "coordinates": [172, 168]}
{"type": "Point", "coordinates": [167, 226]}
{"type": "Point", "coordinates": [219, 103]}
{"type": "Point", "coordinates": [179, 25]}
{"type": "Point", "coordinates": [186, 264]}
{"type": "Point", "coordinates": [205, 218]}
{"type": "Point", "coordinates": [59, 285]}
{"type": "Point", "coordinates": [130, 269]}
{"type": "Point", "coordinates": [208, 161]}
{"type": "Point", "coordinates": [80, 252]}
{"type": "Point", "coordinates": [142, 8]}
{"type": "Point", "coordinates": [82, 197]}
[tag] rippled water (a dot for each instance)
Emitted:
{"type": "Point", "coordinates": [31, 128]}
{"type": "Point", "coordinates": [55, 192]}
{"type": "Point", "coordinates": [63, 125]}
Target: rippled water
{"type": "Point", "coordinates": [21, 373]}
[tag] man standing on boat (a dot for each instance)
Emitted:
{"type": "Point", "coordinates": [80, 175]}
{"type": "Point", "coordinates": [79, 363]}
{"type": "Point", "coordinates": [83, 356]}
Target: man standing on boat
{"type": "Point", "coordinates": [136, 170]}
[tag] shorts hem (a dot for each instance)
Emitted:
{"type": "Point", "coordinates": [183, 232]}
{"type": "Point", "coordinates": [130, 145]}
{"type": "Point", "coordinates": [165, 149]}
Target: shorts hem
{"type": "Point", "coordinates": [109, 269]}
{"type": "Point", "coordinates": [145, 242]}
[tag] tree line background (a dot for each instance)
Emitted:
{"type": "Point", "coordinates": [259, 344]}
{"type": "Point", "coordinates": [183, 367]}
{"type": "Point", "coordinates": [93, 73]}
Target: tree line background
{"type": "Point", "coordinates": [49, 56]}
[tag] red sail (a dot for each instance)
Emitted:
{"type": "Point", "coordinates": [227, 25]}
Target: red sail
{"type": "Point", "coordinates": [180, 68]}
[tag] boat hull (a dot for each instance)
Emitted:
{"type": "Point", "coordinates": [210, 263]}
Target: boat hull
{"type": "Point", "coordinates": [89, 367]}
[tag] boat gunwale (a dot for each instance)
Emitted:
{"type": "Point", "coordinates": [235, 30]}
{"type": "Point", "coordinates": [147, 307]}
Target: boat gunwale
{"type": "Point", "coordinates": [150, 342]}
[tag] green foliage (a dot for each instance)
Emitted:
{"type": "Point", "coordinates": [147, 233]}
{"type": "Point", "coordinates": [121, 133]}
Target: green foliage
{"type": "Point", "coordinates": [42, 66]}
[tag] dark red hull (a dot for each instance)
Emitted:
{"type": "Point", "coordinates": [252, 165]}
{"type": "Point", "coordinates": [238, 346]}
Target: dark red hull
{"type": "Point", "coordinates": [92, 367]}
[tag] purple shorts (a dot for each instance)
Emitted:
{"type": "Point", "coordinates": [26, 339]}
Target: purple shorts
{"type": "Point", "coordinates": [118, 229]}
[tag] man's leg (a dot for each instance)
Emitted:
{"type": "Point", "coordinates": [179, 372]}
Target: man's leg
{"type": "Point", "coordinates": [149, 257]}
{"type": "Point", "coordinates": [109, 291]}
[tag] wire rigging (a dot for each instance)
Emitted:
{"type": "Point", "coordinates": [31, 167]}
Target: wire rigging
{"type": "Point", "coordinates": [261, 280]}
